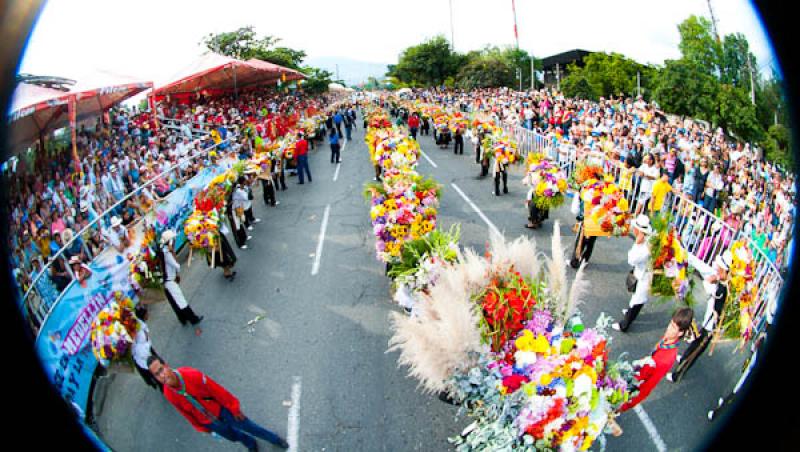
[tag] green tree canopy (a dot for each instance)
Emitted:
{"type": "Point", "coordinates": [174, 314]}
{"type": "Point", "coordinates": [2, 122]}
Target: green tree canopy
{"type": "Point", "coordinates": [244, 44]}
{"type": "Point", "coordinates": [427, 64]}
{"type": "Point", "coordinates": [485, 71]}
{"type": "Point", "coordinates": [608, 74]}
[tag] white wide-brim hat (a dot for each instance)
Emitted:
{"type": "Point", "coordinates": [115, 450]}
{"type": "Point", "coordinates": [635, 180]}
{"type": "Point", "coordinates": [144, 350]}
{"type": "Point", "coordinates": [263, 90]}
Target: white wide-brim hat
{"type": "Point", "coordinates": [115, 221]}
{"type": "Point", "coordinates": [167, 236]}
{"type": "Point", "coordinates": [642, 223]}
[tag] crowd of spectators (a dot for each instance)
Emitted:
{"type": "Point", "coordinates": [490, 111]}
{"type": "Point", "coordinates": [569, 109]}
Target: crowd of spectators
{"type": "Point", "coordinates": [51, 200]}
{"type": "Point", "coordinates": [730, 179]}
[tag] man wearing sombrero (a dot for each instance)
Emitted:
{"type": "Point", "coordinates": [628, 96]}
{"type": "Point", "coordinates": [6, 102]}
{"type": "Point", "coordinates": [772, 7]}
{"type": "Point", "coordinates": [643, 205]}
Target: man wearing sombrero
{"type": "Point", "coordinates": [639, 259]}
{"type": "Point", "coordinates": [169, 274]}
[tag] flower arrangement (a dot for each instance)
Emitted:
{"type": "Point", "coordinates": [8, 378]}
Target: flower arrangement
{"type": "Point", "coordinates": [553, 387]}
{"type": "Point", "coordinates": [377, 119]}
{"type": "Point", "coordinates": [742, 291]}
{"type": "Point", "coordinates": [395, 150]}
{"type": "Point", "coordinates": [404, 207]}
{"type": "Point", "coordinates": [547, 180]}
{"type": "Point", "coordinates": [605, 205]}
{"type": "Point", "coordinates": [420, 264]}
{"type": "Point", "coordinates": [505, 150]}
{"type": "Point", "coordinates": [113, 330]}
{"type": "Point", "coordinates": [584, 172]}
{"type": "Point", "coordinates": [505, 304]}
{"type": "Point", "coordinates": [670, 263]}
{"type": "Point", "coordinates": [145, 270]}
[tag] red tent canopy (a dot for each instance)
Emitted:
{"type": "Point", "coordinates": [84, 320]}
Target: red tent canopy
{"type": "Point", "coordinates": [35, 111]}
{"type": "Point", "coordinates": [216, 73]}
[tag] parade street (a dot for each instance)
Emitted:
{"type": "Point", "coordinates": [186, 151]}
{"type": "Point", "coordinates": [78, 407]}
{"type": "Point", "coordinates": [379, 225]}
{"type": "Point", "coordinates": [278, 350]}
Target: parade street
{"type": "Point", "coordinates": [300, 335]}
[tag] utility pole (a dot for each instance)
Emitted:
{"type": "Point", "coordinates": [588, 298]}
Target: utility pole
{"type": "Point", "coordinates": [533, 76]}
{"type": "Point", "coordinates": [713, 21]}
{"type": "Point", "coordinates": [638, 83]}
{"type": "Point", "coordinates": [752, 83]}
{"type": "Point", "coordinates": [519, 74]}
{"type": "Point", "coordinates": [558, 77]}
{"type": "Point", "coordinates": [452, 35]}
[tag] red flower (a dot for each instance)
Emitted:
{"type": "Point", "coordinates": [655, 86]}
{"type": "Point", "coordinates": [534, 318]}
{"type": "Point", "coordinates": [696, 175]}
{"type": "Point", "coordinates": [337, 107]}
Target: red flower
{"type": "Point", "coordinates": [513, 382]}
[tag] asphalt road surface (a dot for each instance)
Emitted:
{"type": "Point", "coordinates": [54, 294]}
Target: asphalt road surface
{"type": "Point", "coordinates": [315, 367]}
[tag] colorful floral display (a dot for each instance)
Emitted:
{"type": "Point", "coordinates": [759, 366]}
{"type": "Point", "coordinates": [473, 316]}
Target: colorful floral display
{"type": "Point", "coordinates": [584, 172]}
{"type": "Point", "coordinates": [392, 149]}
{"type": "Point", "coordinates": [551, 388]}
{"type": "Point", "coordinates": [740, 308]}
{"type": "Point", "coordinates": [605, 205]}
{"type": "Point", "coordinates": [547, 181]}
{"type": "Point", "coordinates": [670, 262]}
{"type": "Point", "coordinates": [404, 207]}
{"type": "Point", "coordinates": [113, 330]}
{"type": "Point", "coordinates": [505, 150]}
{"type": "Point", "coordinates": [421, 263]}
{"type": "Point", "coordinates": [145, 270]}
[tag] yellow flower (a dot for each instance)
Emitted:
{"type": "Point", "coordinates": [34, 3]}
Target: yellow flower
{"type": "Point", "coordinates": [622, 205]}
{"type": "Point", "coordinates": [562, 185]}
{"type": "Point", "coordinates": [546, 379]}
{"type": "Point", "coordinates": [525, 342]}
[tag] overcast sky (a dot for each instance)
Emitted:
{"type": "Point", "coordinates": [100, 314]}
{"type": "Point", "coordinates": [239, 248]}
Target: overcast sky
{"type": "Point", "coordinates": [153, 40]}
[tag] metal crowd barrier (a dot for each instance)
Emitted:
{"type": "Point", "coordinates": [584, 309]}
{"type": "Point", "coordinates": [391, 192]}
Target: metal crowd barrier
{"type": "Point", "coordinates": [702, 234]}
{"type": "Point", "coordinates": [38, 307]}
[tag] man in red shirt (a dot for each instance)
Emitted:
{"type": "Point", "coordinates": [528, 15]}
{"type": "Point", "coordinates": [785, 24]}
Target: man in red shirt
{"type": "Point", "coordinates": [208, 406]}
{"type": "Point", "coordinates": [413, 125]}
{"type": "Point", "coordinates": [661, 361]}
{"type": "Point", "coordinates": [301, 152]}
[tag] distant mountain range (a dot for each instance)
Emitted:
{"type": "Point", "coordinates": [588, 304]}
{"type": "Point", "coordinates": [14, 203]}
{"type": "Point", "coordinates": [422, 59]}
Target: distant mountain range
{"type": "Point", "coordinates": [351, 71]}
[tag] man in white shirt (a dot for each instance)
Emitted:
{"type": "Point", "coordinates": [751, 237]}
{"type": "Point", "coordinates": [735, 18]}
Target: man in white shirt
{"type": "Point", "coordinates": [169, 270]}
{"type": "Point", "coordinates": [117, 235]}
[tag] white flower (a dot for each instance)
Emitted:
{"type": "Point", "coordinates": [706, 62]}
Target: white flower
{"type": "Point", "coordinates": [525, 358]}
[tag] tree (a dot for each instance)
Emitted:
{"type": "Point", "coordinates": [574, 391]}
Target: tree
{"type": "Point", "coordinates": [608, 74]}
{"type": "Point", "coordinates": [317, 80]}
{"type": "Point", "coordinates": [737, 114]}
{"type": "Point", "coordinates": [427, 64]}
{"type": "Point", "coordinates": [778, 146]}
{"type": "Point", "coordinates": [577, 85]}
{"type": "Point", "coordinates": [244, 44]}
{"type": "Point", "coordinates": [736, 61]}
{"type": "Point", "coordinates": [698, 44]}
{"type": "Point", "coordinates": [687, 90]}
{"type": "Point", "coordinates": [485, 71]}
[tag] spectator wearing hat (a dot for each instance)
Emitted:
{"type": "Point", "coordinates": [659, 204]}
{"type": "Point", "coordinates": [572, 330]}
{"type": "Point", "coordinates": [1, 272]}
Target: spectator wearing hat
{"type": "Point", "coordinates": [716, 286]}
{"type": "Point", "coordinates": [80, 270]}
{"type": "Point", "coordinates": [117, 235]}
{"type": "Point", "coordinates": [169, 271]}
{"type": "Point", "coordinates": [639, 259]}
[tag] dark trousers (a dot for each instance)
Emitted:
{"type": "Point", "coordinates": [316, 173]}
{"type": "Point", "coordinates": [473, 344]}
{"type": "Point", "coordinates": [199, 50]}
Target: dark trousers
{"type": "Point", "coordinates": [696, 348]}
{"type": "Point", "coordinates": [185, 315]}
{"type": "Point", "coordinates": [269, 192]}
{"type": "Point", "coordinates": [497, 177]}
{"type": "Point", "coordinates": [239, 234]}
{"type": "Point", "coordinates": [339, 129]}
{"type": "Point", "coordinates": [477, 154]}
{"type": "Point", "coordinates": [280, 179]}
{"type": "Point", "coordinates": [413, 131]}
{"type": "Point", "coordinates": [249, 217]}
{"type": "Point", "coordinates": [630, 316]}
{"type": "Point", "coordinates": [302, 167]}
{"type": "Point", "coordinates": [484, 168]}
{"type": "Point", "coordinates": [585, 253]}
{"type": "Point", "coordinates": [335, 157]}
{"type": "Point", "coordinates": [242, 431]}
{"type": "Point", "coordinates": [535, 214]}
{"type": "Point", "coordinates": [459, 147]}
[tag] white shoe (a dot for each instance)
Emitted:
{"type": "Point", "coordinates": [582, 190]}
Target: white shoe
{"type": "Point", "coordinates": [249, 237]}
{"type": "Point", "coordinates": [249, 228]}
{"type": "Point", "coordinates": [616, 327]}
{"type": "Point", "coordinates": [244, 247]}
{"type": "Point", "coordinates": [624, 311]}
{"type": "Point", "coordinates": [669, 377]}
{"type": "Point", "coordinates": [277, 202]}
{"type": "Point", "coordinates": [257, 220]}
{"type": "Point", "coordinates": [720, 402]}
{"type": "Point", "coordinates": [711, 415]}
{"type": "Point", "coordinates": [678, 360]}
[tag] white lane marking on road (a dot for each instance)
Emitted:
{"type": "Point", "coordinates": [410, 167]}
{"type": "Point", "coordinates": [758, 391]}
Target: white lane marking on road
{"type": "Point", "coordinates": [294, 415]}
{"type": "Point", "coordinates": [433, 164]}
{"type": "Point", "coordinates": [322, 229]}
{"type": "Point", "coordinates": [336, 174]}
{"type": "Point", "coordinates": [476, 209]}
{"type": "Point", "coordinates": [651, 429]}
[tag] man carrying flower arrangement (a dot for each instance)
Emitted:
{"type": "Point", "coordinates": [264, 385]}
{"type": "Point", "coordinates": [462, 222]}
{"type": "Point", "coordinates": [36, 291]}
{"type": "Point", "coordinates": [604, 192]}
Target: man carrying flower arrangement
{"type": "Point", "coordinates": [169, 271]}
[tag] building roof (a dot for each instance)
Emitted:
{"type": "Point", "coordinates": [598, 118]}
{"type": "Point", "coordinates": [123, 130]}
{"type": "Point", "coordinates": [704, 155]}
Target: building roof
{"type": "Point", "coordinates": [564, 58]}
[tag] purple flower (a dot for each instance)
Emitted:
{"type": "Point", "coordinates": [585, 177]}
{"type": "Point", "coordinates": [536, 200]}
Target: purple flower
{"type": "Point", "coordinates": [539, 322]}
{"type": "Point", "coordinates": [548, 193]}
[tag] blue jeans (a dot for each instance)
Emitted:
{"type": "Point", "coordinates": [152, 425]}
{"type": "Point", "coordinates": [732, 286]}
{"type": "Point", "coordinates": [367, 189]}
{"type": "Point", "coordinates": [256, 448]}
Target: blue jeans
{"type": "Point", "coordinates": [302, 164]}
{"type": "Point", "coordinates": [229, 428]}
{"type": "Point", "coordinates": [348, 131]}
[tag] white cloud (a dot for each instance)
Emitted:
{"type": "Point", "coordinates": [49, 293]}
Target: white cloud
{"type": "Point", "coordinates": [153, 39]}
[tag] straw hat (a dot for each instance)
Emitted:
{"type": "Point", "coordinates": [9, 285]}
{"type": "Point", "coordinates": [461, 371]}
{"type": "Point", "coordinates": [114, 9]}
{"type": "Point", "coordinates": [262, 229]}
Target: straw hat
{"type": "Point", "coordinates": [115, 221]}
{"type": "Point", "coordinates": [167, 236]}
{"type": "Point", "coordinates": [642, 223]}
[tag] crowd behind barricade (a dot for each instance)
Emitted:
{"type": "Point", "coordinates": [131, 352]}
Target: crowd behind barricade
{"type": "Point", "coordinates": [51, 199]}
{"type": "Point", "coordinates": [643, 145]}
